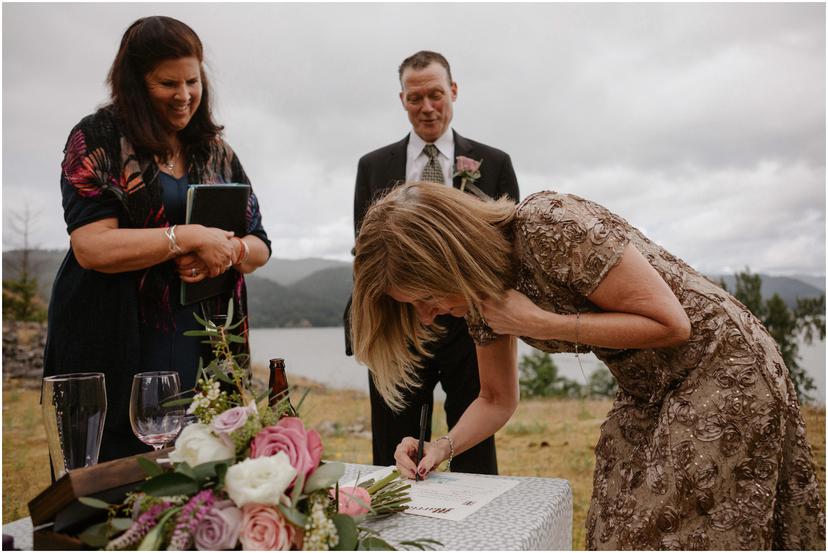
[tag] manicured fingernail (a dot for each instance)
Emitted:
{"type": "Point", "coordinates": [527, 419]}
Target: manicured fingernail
{"type": "Point", "coordinates": [422, 471]}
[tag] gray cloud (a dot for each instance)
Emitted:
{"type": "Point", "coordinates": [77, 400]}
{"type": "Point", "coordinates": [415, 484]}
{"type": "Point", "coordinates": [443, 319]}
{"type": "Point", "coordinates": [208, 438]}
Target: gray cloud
{"type": "Point", "coordinates": [703, 125]}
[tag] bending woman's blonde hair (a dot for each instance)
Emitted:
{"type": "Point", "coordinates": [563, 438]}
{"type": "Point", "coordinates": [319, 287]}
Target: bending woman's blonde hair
{"type": "Point", "coordinates": [426, 240]}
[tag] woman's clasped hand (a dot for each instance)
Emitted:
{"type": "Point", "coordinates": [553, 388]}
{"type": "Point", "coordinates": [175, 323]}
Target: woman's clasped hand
{"type": "Point", "coordinates": [214, 252]}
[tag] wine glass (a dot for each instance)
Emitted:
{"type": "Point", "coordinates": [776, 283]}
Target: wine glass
{"type": "Point", "coordinates": [153, 422]}
{"type": "Point", "coordinates": [74, 411]}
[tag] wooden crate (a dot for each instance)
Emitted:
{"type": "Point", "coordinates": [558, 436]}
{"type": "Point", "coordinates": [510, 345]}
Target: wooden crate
{"type": "Point", "coordinates": [57, 514]}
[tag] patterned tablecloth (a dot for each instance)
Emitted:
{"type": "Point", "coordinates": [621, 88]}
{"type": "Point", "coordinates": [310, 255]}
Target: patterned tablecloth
{"type": "Point", "coordinates": [534, 515]}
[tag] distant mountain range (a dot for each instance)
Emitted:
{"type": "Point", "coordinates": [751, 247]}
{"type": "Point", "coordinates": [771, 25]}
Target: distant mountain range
{"type": "Point", "coordinates": [314, 291]}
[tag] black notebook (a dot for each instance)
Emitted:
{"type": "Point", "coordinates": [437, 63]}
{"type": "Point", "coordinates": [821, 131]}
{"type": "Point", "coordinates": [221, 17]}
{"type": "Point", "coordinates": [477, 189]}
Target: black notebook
{"type": "Point", "coordinates": [222, 206]}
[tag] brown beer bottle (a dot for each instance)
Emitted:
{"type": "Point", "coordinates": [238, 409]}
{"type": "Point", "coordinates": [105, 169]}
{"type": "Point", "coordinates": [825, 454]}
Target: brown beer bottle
{"type": "Point", "coordinates": [278, 385]}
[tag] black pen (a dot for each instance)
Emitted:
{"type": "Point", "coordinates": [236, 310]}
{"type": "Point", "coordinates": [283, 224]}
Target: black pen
{"type": "Point", "coordinates": [423, 423]}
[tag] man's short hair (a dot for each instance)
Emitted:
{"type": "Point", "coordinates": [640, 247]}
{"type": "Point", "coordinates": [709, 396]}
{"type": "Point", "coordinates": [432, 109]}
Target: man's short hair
{"type": "Point", "coordinates": [423, 59]}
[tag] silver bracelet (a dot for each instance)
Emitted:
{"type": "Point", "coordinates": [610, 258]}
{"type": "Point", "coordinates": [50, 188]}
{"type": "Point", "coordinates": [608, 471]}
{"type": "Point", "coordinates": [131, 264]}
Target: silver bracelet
{"type": "Point", "coordinates": [175, 249]}
{"type": "Point", "coordinates": [577, 320]}
{"type": "Point", "coordinates": [451, 450]}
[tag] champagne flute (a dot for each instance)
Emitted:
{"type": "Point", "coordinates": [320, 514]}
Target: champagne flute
{"type": "Point", "coordinates": [152, 422]}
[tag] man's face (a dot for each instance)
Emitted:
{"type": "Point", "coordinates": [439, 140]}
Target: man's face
{"type": "Point", "coordinates": [427, 96]}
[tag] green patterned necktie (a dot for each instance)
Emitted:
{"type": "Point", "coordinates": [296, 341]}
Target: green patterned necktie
{"type": "Point", "coordinates": [432, 172]}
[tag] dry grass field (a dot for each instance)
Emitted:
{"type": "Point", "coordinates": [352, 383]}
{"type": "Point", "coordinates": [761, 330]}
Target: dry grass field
{"type": "Point", "coordinates": [551, 438]}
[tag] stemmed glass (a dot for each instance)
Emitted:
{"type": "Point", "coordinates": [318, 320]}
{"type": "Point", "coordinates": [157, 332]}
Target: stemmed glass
{"type": "Point", "coordinates": [153, 422]}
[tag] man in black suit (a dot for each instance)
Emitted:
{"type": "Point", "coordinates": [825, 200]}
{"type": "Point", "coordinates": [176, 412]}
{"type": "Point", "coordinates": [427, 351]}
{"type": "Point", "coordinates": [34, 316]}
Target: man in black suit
{"type": "Point", "coordinates": [430, 153]}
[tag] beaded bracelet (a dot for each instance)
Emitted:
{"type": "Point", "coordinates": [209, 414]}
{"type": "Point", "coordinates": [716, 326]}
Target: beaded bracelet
{"type": "Point", "coordinates": [175, 249]}
{"type": "Point", "coordinates": [451, 450]}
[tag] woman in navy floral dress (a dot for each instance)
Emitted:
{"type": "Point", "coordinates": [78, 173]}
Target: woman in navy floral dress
{"type": "Point", "coordinates": [115, 303]}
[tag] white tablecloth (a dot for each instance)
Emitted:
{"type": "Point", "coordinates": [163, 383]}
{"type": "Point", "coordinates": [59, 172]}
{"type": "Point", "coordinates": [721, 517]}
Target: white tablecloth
{"type": "Point", "coordinates": [534, 515]}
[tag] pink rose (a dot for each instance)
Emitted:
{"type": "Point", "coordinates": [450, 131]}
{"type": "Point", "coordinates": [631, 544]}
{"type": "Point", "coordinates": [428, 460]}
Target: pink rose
{"type": "Point", "coordinates": [230, 421]}
{"type": "Point", "coordinates": [303, 447]}
{"type": "Point", "coordinates": [353, 500]}
{"type": "Point", "coordinates": [219, 529]}
{"type": "Point", "coordinates": [264, 528]}
{"type": "Point", "coordinates": [464, 163]}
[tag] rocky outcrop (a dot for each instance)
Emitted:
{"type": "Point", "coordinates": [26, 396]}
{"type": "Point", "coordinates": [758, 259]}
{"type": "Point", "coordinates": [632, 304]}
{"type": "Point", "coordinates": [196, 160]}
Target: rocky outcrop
{"type": "Point", "coordinates": [23, 345]}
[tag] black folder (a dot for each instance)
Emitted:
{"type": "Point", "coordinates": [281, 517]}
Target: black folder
{"type": "Point", "coordinates": [222, 206]}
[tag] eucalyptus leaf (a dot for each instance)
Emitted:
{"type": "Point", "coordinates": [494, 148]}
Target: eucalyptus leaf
{"type": "Point", "coordinates": [210, 469]}
{"type": "Point", "coordinates": [186, 470]}
{"type": "Point", "coordinates": [94, 503]}
{"type": "Point", "coordinates": [176, 402]}
{"type": "Point", "coordinates": [198, 333]}
{"type": "Point", "coordinates": [221, 471]}
{"type": "Point", "coordinates": [373, 543]}
{"type": "Point", "coordinates": [219, 374]}
{"type": "Point", "coordinates": [324, 476]}
{"type": "Point", "coordinates": [302, 399]}
{"type": "Point", "coordinates": [170, 483]}
{"type": "Point", "coordinates": [296, 493]}
{"type": "Point", "coordinates": [235, 325]}
{"type": "Point", "coordinates": [199, 320]}
{"type": "Point", "coordinates": [347, 530]}
{"type": "Point", "coordinates": [121, 523]}
{"type": "Point", "coordinates": [229, 311]}
{"type": "Point", "coordinates": [235, 339]}
{"type": "Point", "coordinates": [294, 516]}
{"type": "Point", "coordinates": [150, 467]}
{"type": "Point", "coordinates": [95, 536]}
{"type": "Point", "coordinates": [414, 544]}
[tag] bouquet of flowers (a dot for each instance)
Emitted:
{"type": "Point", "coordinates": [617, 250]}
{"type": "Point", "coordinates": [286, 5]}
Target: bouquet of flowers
{"type": "Point", "coordinates": [248, 474]}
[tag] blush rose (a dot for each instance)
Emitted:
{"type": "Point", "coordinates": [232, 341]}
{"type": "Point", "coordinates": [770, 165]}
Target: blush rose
{"type": "Point", "coordinates": [265, 529]}
{"type": "Point", "coordinates": [303, 447]}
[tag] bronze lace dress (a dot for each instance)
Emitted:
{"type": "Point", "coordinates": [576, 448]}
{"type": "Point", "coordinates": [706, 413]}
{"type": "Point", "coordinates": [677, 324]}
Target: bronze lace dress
{"type": "Point", "coordinates": [704, 447]}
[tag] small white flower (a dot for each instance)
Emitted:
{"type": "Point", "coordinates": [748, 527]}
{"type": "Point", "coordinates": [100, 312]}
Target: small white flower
{"type": "Point", "coordinates": [261, 480]}
{"type": "Point", "coordinates": [196, 445]}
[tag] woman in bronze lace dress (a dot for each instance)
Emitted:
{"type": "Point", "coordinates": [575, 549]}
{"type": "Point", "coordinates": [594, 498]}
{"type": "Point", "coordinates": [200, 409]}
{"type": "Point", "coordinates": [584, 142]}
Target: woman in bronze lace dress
{"type": "Point", "coordinates": [704, 447]}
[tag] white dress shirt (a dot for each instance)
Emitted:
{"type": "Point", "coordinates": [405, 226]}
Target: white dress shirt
{"type": "Point", "coordinates": [416, 159]}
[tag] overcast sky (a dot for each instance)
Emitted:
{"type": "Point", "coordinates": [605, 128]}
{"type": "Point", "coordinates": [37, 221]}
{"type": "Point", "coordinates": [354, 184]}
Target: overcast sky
{"type": "Point", "coordinates": [703, 125]}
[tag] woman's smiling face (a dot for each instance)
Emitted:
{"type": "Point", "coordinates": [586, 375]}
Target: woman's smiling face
{"type": "Point", "coordinates": [174, 88]}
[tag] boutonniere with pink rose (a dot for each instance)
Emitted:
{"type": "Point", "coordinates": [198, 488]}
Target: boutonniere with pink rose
{"type": "Point", "coordinates": [467, 169]}
{"type": "Point", "coordinates": [247, 474]}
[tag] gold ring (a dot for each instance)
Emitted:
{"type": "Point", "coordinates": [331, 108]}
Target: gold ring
{"type": "Point", "coordinates": [193, 272]}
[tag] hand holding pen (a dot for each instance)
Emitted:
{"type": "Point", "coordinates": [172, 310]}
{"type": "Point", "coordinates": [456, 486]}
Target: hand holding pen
{"type": "Point", "coordinates": [416, 457]}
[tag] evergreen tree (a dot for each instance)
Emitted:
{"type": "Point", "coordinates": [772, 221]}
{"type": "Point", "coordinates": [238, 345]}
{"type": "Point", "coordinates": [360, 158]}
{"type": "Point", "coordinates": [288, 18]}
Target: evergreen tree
{"type": "Point", "coordinates": [806, 320]}
{"type": "Point", "coordinates": [539, 377]}
{"type": "Point", "coordinates": [21, 301]}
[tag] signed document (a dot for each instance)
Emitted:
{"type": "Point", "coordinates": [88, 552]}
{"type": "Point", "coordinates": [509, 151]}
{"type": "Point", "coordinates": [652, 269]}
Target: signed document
{"type": "Point", "coordinates": [449, 495]}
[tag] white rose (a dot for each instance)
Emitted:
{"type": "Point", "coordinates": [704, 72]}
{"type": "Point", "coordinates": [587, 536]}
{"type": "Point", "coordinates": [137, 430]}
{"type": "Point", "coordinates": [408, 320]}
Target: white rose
{"type": "Point", "coordinates": [262, 480]}
{"type": "Point", "coordinates": [196, 445]}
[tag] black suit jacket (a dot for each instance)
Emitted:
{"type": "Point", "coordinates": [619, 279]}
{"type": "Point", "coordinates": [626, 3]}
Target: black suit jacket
{"type": "Point", "coordinates": [383, 169]}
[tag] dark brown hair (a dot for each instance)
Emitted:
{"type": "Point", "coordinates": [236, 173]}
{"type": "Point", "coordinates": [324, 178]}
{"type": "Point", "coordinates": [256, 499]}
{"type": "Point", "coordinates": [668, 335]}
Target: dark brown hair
{"type": "Point", "coordinates": [423, 59]}
{"type": "Point", "coordinates": [145, 44]}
